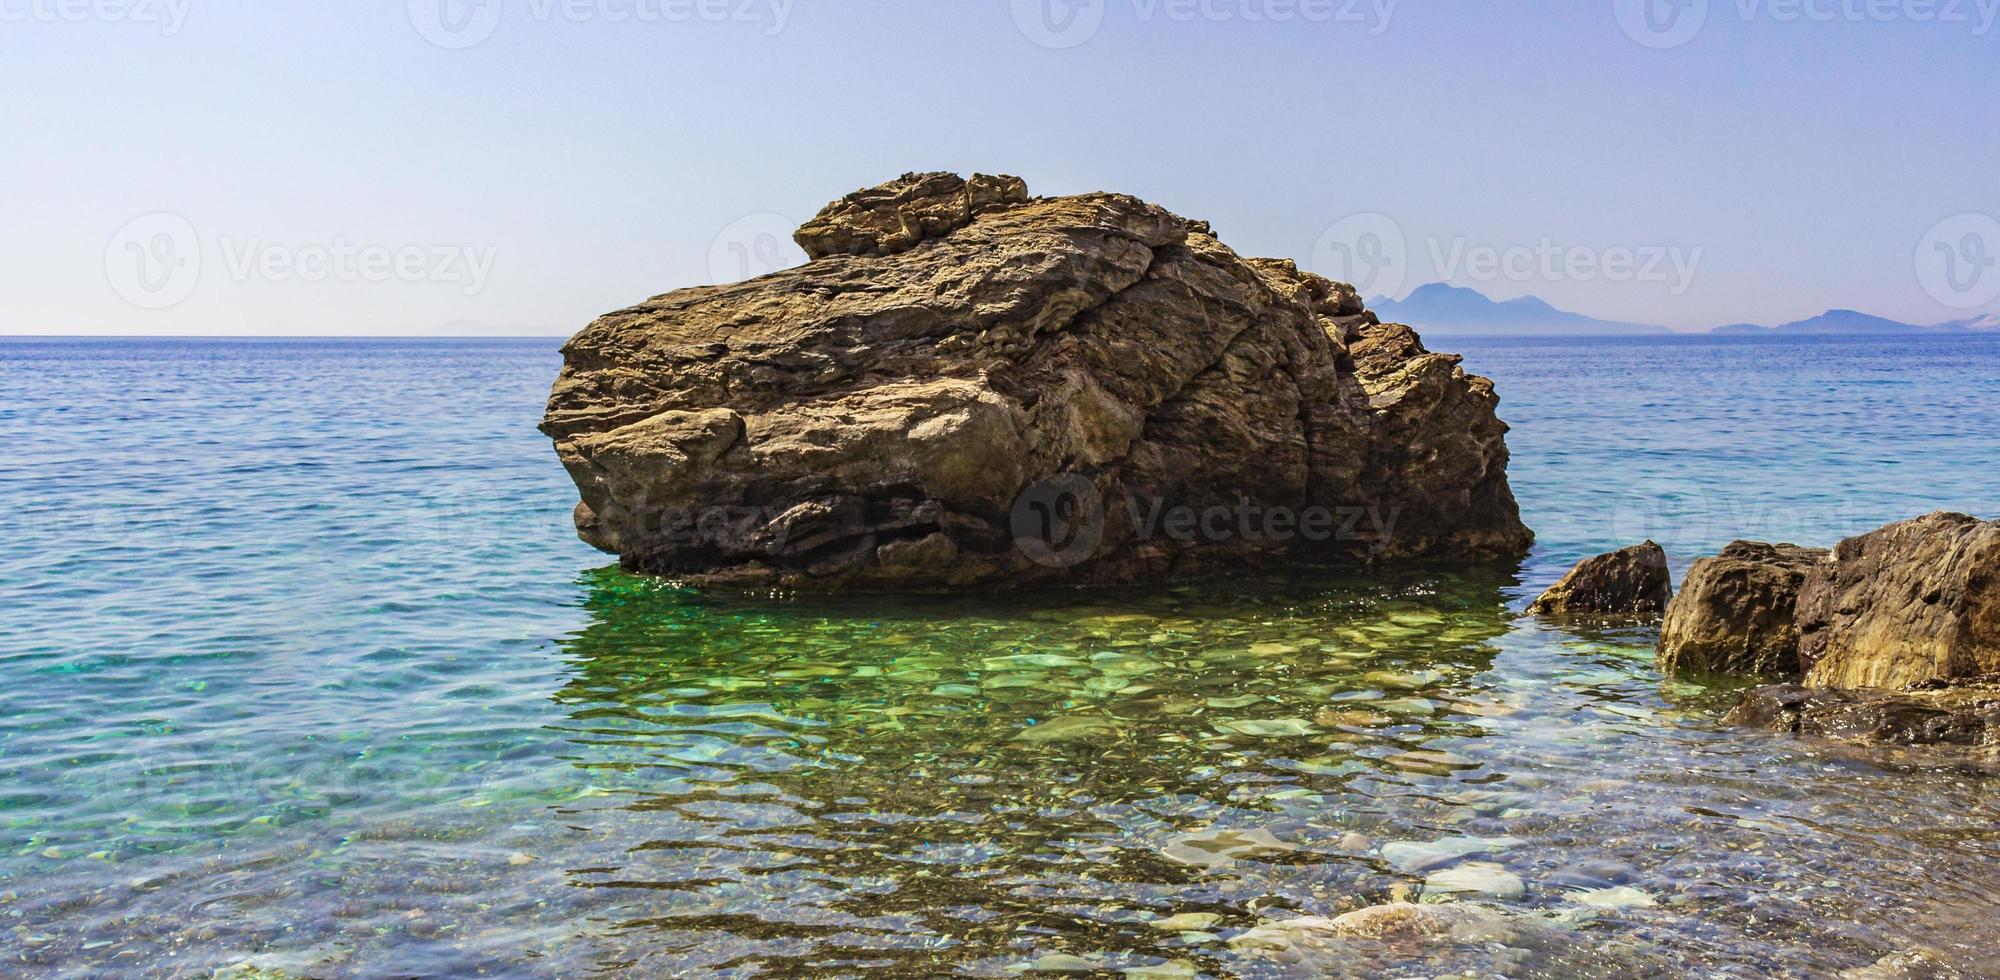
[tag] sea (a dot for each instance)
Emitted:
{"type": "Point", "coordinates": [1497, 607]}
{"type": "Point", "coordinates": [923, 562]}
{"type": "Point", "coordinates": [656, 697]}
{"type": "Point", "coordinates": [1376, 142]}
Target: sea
{"type": "Point", "coordinates": [303, 672]}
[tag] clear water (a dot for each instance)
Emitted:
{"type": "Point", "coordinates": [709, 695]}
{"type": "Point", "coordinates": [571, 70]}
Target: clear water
{"type": "Point", "coordinates": [302, 669]}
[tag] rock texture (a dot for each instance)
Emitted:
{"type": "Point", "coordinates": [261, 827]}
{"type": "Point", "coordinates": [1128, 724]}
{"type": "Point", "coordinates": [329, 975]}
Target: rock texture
{"type": "Point", "coordinates": [1911, 605]}
{"type": "Point", "coordinates": [1965, 716]}
{"type": "Point", "coordinates": [1629, 581]}
{"type": "Point", "coordinates": [967, 386]}
{"type": "Point", "coordinates": [1735, 613]}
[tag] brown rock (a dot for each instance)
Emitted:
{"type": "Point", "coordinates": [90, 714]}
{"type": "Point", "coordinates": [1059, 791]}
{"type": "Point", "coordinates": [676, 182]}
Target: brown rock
{"type": "Point", "coordinates": [898, 215]}
{"type": "Point", "coordinates": [969, 387]}
{"type": "Point", "coordinates": [1911, 605]}
{"type": "Point", "coordinates": [1735, 612]}
{"type": "Point", "coordinates": [1630, 581]}
{"type": "Point", "coordinates": [1965, 716]}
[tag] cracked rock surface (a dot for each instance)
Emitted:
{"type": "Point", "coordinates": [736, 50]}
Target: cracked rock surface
{"type": "Point", "coordinates": [968, 387]}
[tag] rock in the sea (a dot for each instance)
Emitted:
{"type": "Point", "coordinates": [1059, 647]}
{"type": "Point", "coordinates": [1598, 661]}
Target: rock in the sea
{"type": "Point", "coordinates": [1403, 920]}
{"type": "Point", "coordinates": [1629, 581]}
{"type": "Point", "coordinates": [1908, 606]}
{"type": "Point", "coordinates": [1477, 878]}
{"type": "Point", "coordinates": [1966, 716]}
{"type": "Point", "coordinates": [1457, 939]}
{"type": "Point", "coordinates": [970, 387]}
{"type": "Point", "coordinates": [1735, 612]}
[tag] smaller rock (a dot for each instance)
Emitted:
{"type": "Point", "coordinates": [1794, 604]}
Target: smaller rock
{"type": "Point", "coordinates": [1186, 922]}
{"type": "Point", "coordinates": [1395, 922]}
{"type": "Point", "coordinates": [1476, 878]}
{"type": "Point", "coordinates": [1064, 963]}
{"type": "Point", "coordinates": [1965, 716]}
{"type": "Point", "coordinates": [1169, 970]}
{"type": "Point", "coordinates": [898, 215]}
{"type": "Point", "coordinates": [1621, 897]}
{"type": "Point", "coordinates": [1411, 857]}
{"type": "Point", "coordinates": [1914, 965]}
{"type": "Point", "coordinates": [1735, 612]}
{"type": "Point", "coordinates": [1631, 581]}
{"type": "Point", "coordinates": [1220, 846]}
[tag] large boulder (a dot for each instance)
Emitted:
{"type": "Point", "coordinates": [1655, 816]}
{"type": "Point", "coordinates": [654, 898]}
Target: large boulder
{"type": "Point", "coordinates": [1735, 612]}
{"type": "Point", "coordinates": [1629, 581]}
{"type": "Point", "coordinates": [967, 386]}
{"type": "Point", "coordinates": [1909, 606]}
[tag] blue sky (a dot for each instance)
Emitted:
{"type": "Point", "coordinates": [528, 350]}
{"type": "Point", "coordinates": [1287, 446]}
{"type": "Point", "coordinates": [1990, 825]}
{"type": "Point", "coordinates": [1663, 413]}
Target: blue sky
{"type": "Point", "coordinates": [232, 166]}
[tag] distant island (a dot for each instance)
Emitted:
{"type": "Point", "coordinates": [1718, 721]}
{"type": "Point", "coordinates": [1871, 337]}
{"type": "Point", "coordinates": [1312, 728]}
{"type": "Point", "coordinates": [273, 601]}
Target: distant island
{"type": "Point", "coordinates": [1445, 310]}
{"type": "Point", "coordinates": [1850, 322]}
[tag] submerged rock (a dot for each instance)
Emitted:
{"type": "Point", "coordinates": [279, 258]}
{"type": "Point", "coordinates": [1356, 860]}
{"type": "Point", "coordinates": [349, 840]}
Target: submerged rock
{"type": "Point", "coordinates": [1629, 581]}
{"type": "Point", "coordinates": [1735, 612]}
{"type": "Point", "coordinates": [1404, 939]}
{"type": "Point", "coordinates": [969, 387]}
{"type": "Point", "coordinates": [1910, 605]}
{"type": "Point", "coordinates": [1479, 878]}
{"type": "Point", "coordinates": [1965, 716]}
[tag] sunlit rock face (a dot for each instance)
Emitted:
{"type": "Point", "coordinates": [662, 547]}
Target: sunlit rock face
{"type": "Point", "coordinates": [1736, 612]}
{"type": "Point", "coordinates": [1911, 605]}
{"type": "Point", "coordinates": [967, 386]}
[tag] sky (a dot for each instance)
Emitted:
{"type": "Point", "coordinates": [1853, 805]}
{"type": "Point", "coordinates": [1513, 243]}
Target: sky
{"type": "Point", "coordinates": [418, 167]}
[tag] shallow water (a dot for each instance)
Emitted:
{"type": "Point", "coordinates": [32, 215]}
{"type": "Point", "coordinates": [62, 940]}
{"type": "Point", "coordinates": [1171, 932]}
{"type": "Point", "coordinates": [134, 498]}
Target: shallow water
{"type": "Point", "coordinates": [304, 669]}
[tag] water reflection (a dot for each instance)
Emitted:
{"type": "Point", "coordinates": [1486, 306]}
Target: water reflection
{"type": "Point", "coordinates": [1097, 782]}
{"type": "Point", "coordinates": [979, 785]}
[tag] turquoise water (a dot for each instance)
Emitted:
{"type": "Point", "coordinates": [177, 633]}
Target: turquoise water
{"type": "Point", "coordinates": [304, 669]}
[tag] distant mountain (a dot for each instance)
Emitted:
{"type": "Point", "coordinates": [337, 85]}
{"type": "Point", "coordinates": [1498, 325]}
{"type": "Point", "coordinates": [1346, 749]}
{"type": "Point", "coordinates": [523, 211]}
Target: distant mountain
{"type": "Point", "coordinates": [1851, 322]}
{"type": "Point", "coordinates": [1990, 321]}
{"type": "Point", "coordinates": [1442, 310]}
